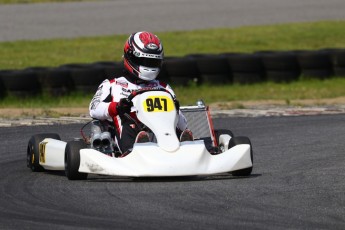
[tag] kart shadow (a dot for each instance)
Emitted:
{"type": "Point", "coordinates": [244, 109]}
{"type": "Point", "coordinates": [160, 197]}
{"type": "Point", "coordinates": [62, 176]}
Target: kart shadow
{"type": "Point", "coordinates": [102, 178]}
{"type": "Point", "coordinates": [56, 173]}
{"type": "Point", "coordinates": [228, 176]}
{"type": "Point", "coordinates": [225, 176]}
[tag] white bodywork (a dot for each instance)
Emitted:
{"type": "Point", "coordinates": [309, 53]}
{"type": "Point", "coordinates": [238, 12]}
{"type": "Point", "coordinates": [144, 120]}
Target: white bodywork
{"type": "Point", "coordinates": [52, 154]}
{"type": "Point", "coordinates": [148, 159]}
{"type": "Point", "coordinates": [162, 123]}
{"type": "Point", "coordinates": [167, 157]}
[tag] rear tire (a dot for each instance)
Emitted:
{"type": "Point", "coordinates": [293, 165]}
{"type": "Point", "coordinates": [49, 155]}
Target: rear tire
{"type": "Point", "coordinates": [72, 160]}
{"type": "Point", "coordinates": [33, 154]}
{"type": "Point", "coordinates": [238, 141]}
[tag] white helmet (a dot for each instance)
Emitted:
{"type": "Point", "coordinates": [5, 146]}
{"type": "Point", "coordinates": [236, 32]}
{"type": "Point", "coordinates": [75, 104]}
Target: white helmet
{"type": "Point", "coordinates": [143, 55]}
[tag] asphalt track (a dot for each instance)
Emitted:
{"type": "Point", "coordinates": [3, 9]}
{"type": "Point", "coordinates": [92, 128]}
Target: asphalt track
{"type": "Point", "coordinates": [297, 183]}
{"type": "Point", "coordinates": [298, 177]}
{"type": "Point", "coordinates": [66, 20]}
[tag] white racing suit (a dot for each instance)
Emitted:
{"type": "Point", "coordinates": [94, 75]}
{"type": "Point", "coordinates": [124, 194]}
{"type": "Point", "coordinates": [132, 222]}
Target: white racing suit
{"type": "Point", "coordinates": [103, 107]}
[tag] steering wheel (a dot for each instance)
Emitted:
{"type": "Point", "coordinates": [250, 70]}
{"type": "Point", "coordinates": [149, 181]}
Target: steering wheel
{"type": "Point", "coordinates": [144, 90]}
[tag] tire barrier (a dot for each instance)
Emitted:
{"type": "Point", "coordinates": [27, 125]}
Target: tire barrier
{"type": "Point", "coordinates": [20, 83]}
{"type": "Point", "coordinates": [213, 69]}
{"type": "Point", "coordinates": [225, 68]}
{"type": "Point", "coordinates": [110, 69]}
{"type": "Point", "coordinates": [163, 74]}
{"type": "Point", "coordinates": [2, 86]}
{"type": "Point", "coordinates": [85, 77]}
{"type": "Point", "coordinates": [338, 61]}
{"type": "Point", "coordinates": [57, 82]}
{"type": "Point", "coordinates": [246, 68]}
{"type": "Point", "coordinates": [315, 64]}
{"type": "Point", "coordinates": [280, 66]}
{"type": "Point", "coordinates": [182, 71]}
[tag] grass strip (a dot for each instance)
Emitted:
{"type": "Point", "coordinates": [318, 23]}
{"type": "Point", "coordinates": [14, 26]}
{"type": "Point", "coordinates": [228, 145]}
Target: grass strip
{"type": "Point", "coordinates": [299, 90]}
{"type": "Point", "coordinates": [294, 36]}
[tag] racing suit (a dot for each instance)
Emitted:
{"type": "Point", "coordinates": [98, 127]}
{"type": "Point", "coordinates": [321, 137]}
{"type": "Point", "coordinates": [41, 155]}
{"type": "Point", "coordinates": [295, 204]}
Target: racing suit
{"type": "Point", "coordinates": [108, 95]}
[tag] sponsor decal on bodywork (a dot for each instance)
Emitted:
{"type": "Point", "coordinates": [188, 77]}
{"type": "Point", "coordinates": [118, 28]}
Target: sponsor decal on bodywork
{"type": "Point", "coordinates": [42, 152]}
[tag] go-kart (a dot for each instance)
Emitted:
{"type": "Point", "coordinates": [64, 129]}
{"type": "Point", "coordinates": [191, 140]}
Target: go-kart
{"type": "Point", "coordinates": [211, 151]}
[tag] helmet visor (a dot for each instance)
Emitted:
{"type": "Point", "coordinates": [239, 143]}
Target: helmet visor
{"type": "Point", "coordinates": [148, 62]}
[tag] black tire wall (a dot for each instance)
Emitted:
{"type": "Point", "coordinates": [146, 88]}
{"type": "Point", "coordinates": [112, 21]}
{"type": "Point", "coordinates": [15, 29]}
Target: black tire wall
{"type": "Point", "coordinates": [182, 71]}
{"type": "Point", "coordinates": [226, 68]}
{"type": "Point", "coordinates": [110, 69]}
{"type": "Point", "coordinates": [213, 69]}
{"type": "Point", "coordinates": [316, 64]}
{"type": "Point", "coordinates": [246, 68]}
{"type": "Point", "coordinates": [53, 81]}
{"type": "Point", "coordinates": [280, 66]}
{"type": "Point", "coordinates": [20, 83]}
{"type": "Point", "coordinates": [85, 77]}
{"type": "Point", "coordinates": [338, 61]}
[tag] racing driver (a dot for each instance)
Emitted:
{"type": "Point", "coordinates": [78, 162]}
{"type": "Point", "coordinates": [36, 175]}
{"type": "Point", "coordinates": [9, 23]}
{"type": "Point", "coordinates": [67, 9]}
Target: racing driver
{"type": "Point", "coordinates": [143, 57]}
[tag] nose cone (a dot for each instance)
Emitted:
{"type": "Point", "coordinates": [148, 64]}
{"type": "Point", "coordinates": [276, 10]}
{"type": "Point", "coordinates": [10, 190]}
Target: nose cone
{"type": "Point", "coordinates": [168, 142]}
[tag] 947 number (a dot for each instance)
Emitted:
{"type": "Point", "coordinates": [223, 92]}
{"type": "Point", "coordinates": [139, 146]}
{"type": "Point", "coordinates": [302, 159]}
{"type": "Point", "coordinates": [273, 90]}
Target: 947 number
{"type": "Point", "coordinates": [156, 104]}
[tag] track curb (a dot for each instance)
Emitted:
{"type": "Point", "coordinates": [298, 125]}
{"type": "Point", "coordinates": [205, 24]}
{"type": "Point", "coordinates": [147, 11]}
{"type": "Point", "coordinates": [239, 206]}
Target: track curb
{"type": "Point", "coordinates": [251, 112]}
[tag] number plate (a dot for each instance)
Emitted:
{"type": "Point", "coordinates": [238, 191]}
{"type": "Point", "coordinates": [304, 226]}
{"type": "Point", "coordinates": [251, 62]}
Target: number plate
{"type": "Point", "coordinates": [158, 104]}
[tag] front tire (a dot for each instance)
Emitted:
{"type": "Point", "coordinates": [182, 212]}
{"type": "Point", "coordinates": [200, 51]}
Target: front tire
{"type": "Point", "coordinates": [33, 154]}
{"type": "Point", "coordinates": [238, 141]}
{"type": "Point", "coordinates": [72, 160]}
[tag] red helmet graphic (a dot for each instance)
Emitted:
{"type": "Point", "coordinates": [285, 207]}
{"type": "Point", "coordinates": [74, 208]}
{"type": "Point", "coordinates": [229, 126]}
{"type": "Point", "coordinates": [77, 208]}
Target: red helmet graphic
{"type": "Point", "coordinates": [143, 55]}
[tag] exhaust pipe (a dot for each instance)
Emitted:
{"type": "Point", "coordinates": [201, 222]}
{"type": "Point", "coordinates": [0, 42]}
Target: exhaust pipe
{"type": "Point", "coordinates": [101, 141]}
{"type": "Point", "coordinates": [106, 140]}
{"type": "Point", "coordinates": [96, 141]}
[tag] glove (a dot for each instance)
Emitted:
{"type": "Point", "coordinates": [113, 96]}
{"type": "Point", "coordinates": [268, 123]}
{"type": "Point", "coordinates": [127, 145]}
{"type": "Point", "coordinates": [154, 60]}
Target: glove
{"type": "Point", "coordinates": [124, 106]}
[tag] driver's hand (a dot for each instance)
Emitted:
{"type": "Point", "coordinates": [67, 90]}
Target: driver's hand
{"type": "Point", "coordinates": [124, 106]}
